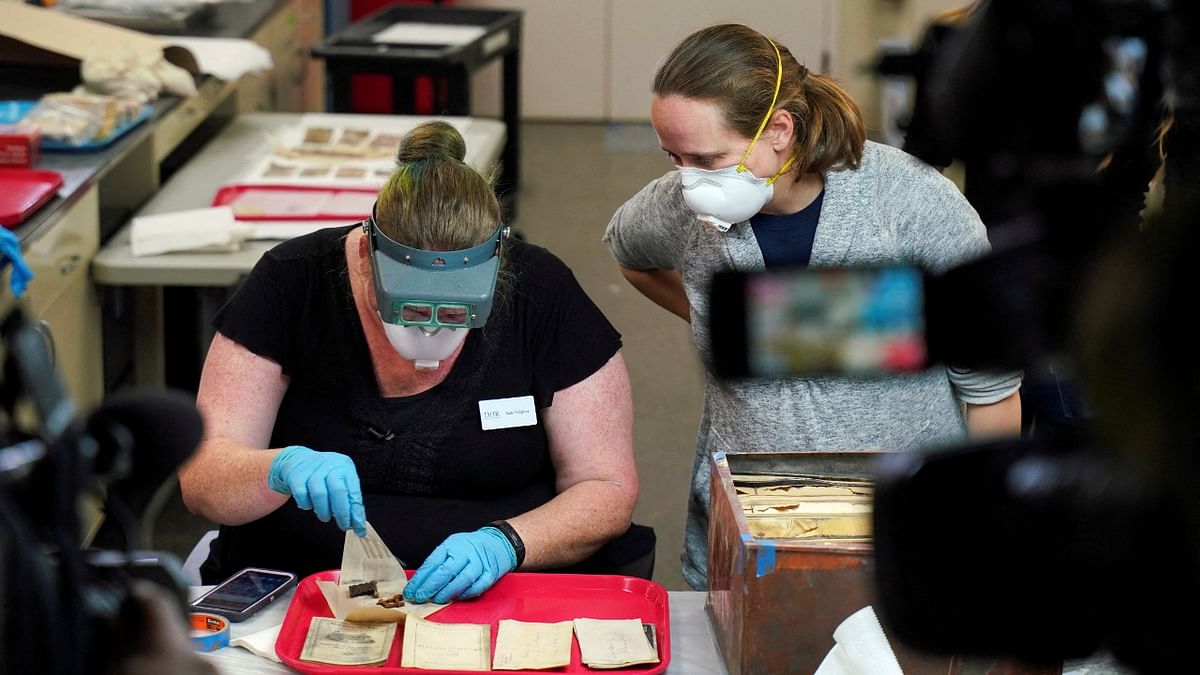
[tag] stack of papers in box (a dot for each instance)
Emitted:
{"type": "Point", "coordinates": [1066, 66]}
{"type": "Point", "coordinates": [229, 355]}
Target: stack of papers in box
{"type": "Point", "coordinates": [799, 507]}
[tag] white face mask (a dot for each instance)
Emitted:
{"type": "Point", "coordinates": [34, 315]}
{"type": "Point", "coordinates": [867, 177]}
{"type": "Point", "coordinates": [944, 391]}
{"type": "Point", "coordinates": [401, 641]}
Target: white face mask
{"type": "Point", "coordinates": [726, 196]}
{"type": "Point", "coordinates": [733, 194]}
{"type": "Point", "coordinates": [425, 347]}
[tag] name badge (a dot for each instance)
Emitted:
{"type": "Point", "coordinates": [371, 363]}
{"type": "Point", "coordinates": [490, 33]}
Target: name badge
{"type": "Point", "coordinates": [506, 413]}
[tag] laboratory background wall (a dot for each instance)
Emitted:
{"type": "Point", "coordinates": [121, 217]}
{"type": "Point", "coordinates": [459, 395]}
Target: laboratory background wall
{"type": "Point", "coordinates": [593, 60]}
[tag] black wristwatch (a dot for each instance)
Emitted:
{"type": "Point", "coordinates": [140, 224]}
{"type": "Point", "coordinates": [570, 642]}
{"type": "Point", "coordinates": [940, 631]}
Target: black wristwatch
{"type": "Point", "coordinates": [513, 538]}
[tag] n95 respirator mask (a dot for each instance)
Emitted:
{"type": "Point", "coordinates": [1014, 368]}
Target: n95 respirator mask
{"type": "Point", "coordinates": [425, 347]}
{"type": "Point", "coordinates": [731, 195]}
{"type": "Point", "coordinates": [726, 196]}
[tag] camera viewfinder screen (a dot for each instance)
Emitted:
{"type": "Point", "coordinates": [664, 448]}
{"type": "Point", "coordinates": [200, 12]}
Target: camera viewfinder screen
{"type": "Point", "coordinates": [854, 321]}
{"type": "Point", "coordinates": [243, 590]}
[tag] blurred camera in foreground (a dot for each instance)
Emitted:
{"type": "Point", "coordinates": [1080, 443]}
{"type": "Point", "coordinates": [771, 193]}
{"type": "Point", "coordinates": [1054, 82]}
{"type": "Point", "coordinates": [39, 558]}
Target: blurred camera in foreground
{"type": "Point", "coordinates": [66, 610]}
{"type": "Point", "coordinates": [1059, 545]}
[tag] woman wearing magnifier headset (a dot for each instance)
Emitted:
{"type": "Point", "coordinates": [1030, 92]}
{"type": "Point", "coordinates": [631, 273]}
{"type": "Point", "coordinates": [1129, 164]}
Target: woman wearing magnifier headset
{"type": "Point", "coordinates": [456, 387]}
{"type": "Point", "coordinates": [772, 169]}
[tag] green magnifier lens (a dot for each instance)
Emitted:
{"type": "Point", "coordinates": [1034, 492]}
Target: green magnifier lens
{"type": "Point", "coordinates": [452, 315]}
{"type": "Point", "coordinates": [411, 312]}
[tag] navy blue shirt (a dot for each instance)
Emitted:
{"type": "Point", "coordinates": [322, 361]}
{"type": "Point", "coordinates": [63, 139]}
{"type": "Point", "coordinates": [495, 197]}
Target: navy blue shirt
{"type": "Point", "coordinates": [788, 240]}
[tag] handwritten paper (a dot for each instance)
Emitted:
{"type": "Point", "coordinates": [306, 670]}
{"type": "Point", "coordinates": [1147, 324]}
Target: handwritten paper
{"type": "Point", "coordinates": [366, 559]}
{"type": "Point", "coordinates": [449, 646]}
{"type": "Point", "coordinates": [613, 643]}
{"type": "Point", "coordinates": [522, 645]}
{"type": "Point", "coordinates": [369, 559]}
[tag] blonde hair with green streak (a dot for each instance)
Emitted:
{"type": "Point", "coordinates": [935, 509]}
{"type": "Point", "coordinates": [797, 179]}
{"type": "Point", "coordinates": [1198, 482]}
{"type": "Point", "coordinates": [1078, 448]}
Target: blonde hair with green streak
{"type": "Point", "coordinates": [434, 200]}
{"type": "Point", "coordinates": [437, 202]}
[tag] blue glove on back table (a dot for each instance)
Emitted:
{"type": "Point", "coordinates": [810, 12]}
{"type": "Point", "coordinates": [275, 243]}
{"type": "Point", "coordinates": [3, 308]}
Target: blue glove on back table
{"type": "Point", "coordinates": [324, 482]}
{"type": "Point", "coordinates": [463, 566]}
{"type": "Point", "coordinates": [10, 250]}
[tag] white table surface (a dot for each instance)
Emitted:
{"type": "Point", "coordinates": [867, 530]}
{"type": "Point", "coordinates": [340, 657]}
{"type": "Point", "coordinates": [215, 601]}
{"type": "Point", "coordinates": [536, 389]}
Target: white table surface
{"type": "Point", "coordinates": [693, 643]}
{"type": "Point", "coordinates": [229, 158]}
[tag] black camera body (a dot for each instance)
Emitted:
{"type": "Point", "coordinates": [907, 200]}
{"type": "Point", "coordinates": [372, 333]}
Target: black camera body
{"type": "Point", "coordinates": [1054, 546]}
{"type": "Point", "coordinates": [1030, 551]}
{"type": "Point", "coordinates": [64, 610]}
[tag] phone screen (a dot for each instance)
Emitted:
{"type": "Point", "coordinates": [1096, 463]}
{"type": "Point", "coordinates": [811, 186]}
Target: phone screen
{"type": "Point", "coordinates": [802, 321]}
{"type": "Point", "coordinates": [242, 590]}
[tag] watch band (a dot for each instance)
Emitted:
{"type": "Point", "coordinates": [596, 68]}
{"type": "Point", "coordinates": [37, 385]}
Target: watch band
{"type": "Point", "coordinates": [513, 538]}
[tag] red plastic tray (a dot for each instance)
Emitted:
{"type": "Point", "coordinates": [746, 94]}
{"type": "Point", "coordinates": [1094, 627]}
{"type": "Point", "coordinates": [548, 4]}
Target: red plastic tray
{"type": "Point", "coordinates": [299, 202]}
{"type": "Point", "coordinates": [23, 191]}
{"type": "Point", "coordinates": [520, 596]}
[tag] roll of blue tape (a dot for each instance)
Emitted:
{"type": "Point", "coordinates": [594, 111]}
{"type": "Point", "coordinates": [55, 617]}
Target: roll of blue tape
{"type": "Point", "coordinates": [209, 632]}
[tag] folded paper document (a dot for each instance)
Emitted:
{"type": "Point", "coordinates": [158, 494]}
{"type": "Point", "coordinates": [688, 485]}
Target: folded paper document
{"type": "Point", "coordinates": [371, 584]}
{"type": "Point", "coordinates": [209, 229]}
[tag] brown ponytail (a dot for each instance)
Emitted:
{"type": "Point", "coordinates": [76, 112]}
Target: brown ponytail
{"type": "Point", "coordinates": [830, 132]}
{"type": "Point", "coordinates": [735, 66]}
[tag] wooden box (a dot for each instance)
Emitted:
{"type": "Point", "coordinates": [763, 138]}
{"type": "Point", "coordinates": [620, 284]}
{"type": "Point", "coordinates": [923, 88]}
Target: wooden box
{"type": "Point", "coordinates": [774, 603]}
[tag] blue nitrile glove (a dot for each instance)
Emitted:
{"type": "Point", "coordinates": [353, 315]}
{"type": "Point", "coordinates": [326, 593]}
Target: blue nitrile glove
{"type": "Point", "coordinates": [10, 250]}
{"type": "Point", "coordinates": [323, 482]}
{"type": "Point", "coordinates": [463, 566]}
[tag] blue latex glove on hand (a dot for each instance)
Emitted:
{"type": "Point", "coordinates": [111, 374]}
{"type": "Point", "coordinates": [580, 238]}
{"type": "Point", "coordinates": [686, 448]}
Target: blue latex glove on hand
{"type": "Point", "coordinates": [10, 250]}
{"type": "Point", "coordinates": [325, 483]}
{"type": "Point", "coordinates": [463, 566]}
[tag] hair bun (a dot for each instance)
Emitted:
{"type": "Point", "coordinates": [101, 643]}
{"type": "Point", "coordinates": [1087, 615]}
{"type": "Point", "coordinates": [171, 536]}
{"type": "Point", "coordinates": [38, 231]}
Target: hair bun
{"type": "Point", "coordinates": [432, 140]}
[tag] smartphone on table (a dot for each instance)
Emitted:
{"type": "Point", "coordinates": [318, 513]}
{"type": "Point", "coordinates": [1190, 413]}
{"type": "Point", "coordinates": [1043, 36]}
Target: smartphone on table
{"type": "Point", "coordinates": [243, 594]}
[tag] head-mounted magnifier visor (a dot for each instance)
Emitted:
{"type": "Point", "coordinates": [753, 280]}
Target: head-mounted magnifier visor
{"type": "Point", "coordinates": [445, 289]}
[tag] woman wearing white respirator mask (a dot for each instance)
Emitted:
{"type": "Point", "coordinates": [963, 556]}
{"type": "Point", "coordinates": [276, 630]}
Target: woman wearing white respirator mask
{"type": "Point", "coordinates": [456, 388]}
{"type": "Point", "coordinates": [773, 170]}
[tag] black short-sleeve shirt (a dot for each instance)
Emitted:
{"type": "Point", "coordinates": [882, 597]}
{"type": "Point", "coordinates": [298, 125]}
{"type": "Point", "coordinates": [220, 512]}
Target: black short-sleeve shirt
{"type": "Point", "coordinates": [427, 467]}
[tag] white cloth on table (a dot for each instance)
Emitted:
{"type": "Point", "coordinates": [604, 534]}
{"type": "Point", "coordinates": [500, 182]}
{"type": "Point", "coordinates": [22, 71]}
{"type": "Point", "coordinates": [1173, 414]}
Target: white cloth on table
{"type": "Point", "coordinates": [210, 229]}
{"type": "Point", "coordinates": [226, 58]}
{"type": "Point", "coordinates": [862, 648]}
{"type": "Point", "coordinates": [260, 643]}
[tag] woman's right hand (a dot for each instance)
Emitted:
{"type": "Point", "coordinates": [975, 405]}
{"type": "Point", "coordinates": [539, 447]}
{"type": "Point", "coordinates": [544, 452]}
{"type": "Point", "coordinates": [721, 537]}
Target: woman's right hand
{"type": "Point", "coordinates": [462, 567]}
{"type": "Point", "coordinates": [323, 482]}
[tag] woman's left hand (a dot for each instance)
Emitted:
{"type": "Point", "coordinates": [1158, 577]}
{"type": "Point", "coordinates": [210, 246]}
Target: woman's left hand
{"type": "Point", "coordinates": [463, 566]}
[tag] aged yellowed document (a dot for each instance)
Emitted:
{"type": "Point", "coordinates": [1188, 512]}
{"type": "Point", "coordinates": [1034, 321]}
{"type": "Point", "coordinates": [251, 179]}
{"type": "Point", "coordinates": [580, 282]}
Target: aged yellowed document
{"type": "Point", "coordinates": [522, 645]}
{"type": "Point", "coordinates": [449, 646]}
{"type": "Point", "coordinates": [341, 643]}
{"type": "Point", "coordinates": [613, 643]}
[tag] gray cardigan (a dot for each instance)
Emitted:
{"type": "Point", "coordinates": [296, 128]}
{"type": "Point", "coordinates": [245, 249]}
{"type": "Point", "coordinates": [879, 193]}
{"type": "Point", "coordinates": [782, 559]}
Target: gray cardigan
{"type": "Point", "coordinates": [893, 209]}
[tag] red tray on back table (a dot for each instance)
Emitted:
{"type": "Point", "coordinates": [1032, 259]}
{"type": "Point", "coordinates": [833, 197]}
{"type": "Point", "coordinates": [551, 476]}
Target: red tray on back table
{"type": "Point", "coordinates": [302, 197]}
{"type": "Point", "coordinates": [24, 191]}
{"type": "Point", "coordinates": [521, 596]}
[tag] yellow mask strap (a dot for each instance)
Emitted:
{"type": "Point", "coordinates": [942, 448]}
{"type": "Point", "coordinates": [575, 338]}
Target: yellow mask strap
{"type": "Point", "coordinates": [787, 166]}
{"type": "Point", "coordinates": [766, 118]}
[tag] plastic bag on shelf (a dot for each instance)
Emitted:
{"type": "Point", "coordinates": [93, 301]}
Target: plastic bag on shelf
{"type": "Point", "coordinates": [77, 118]}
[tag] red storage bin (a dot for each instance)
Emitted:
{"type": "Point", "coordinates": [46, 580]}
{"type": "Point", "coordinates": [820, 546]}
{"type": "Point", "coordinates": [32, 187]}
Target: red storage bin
{"type": "Point", "coordinates": [373, 93]}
